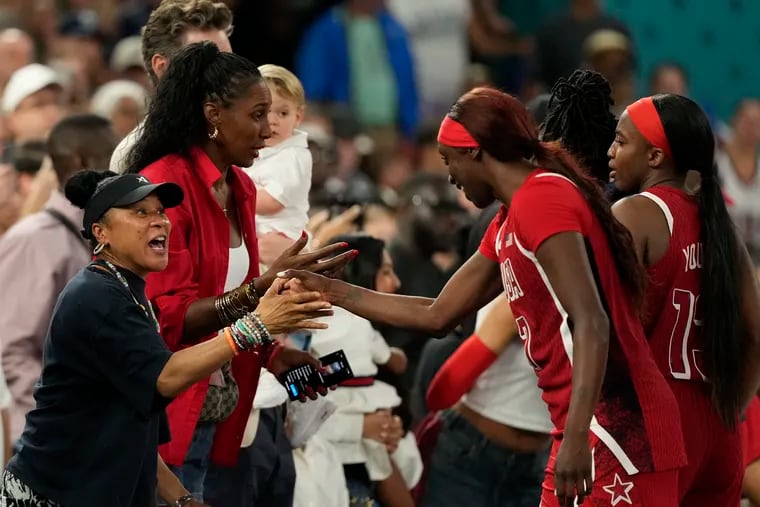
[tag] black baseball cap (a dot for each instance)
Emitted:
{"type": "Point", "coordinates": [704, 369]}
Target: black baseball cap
{"type": "Point", "coordinates": [124, 190]}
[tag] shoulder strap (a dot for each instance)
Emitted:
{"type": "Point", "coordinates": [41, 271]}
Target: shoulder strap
{"type": "Point", "coordinates": [68, 225]}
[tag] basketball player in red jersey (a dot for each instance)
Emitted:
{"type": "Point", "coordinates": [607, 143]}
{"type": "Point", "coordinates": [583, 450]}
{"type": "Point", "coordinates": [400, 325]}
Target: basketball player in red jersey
{"type": "Point", "coordinates": [617, 436]}
{"type": "Point", "coordinates": [703, 307]}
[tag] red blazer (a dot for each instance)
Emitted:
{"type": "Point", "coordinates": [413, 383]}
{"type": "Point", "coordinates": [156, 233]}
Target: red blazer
{"type": "Point", "coordinates": [198, 259]}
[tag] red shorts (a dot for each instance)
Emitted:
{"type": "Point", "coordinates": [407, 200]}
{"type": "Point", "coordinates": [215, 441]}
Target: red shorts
{"type": "Point", "coordinates": [715, 469]}
{"type": "Point", "coordinates": [750, 431]}
{"type": "Point", "coordinates": [613, 486]}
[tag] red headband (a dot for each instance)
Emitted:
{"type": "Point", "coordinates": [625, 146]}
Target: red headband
{"type": "Point", "coordinates": [646, 119]}
{"type": "Point", "coordinates": [452, 133]}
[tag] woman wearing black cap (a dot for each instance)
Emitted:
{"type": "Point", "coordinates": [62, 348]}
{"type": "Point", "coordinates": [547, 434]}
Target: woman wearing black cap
{"type": "Point", "coordinates": [107, 376]}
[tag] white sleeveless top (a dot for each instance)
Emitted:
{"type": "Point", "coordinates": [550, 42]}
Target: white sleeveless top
{"type": "Point", "coordinates": [237, 267]}
{"type": "Point", "coordinates": [507, 392]}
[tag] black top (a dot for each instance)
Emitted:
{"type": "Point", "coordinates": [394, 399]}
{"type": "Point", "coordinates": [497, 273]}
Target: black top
{"type": "Point", "coordinates": [93, 437]}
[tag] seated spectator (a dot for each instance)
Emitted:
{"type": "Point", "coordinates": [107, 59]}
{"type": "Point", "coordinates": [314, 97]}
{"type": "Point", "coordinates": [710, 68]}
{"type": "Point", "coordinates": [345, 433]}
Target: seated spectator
{"type": "Point", "coordinates": [608, 52]}
{"type": "Point", "coordinates": [122, 102]}
{"type": "Point", "coordinates": [738, 164]}
{"type": "Point", "coordinates": [669, 77]}
{"type": "Point", "coordinates": [16, 51]}
{"type": "Point", "coordinates": [127, 61]}
{"type": "Point", "coordinates": [33, 101]}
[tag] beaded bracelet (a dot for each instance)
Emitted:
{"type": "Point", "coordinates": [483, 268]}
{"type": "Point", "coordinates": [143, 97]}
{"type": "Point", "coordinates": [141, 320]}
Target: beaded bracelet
{"type": "Point", "coordinates": [247, 332]}
{"type": "Point", "coordinates": [231, 341]}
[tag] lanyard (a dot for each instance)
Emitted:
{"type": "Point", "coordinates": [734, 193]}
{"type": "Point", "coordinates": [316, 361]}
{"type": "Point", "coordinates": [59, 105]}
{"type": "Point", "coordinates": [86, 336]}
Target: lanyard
{"type": "Point", "coordinates": [149, 311]}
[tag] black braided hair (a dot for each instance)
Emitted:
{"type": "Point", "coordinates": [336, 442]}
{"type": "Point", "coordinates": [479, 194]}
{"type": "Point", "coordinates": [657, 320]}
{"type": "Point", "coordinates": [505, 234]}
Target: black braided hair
{"type": "Point", "coordinates": [579, 117]}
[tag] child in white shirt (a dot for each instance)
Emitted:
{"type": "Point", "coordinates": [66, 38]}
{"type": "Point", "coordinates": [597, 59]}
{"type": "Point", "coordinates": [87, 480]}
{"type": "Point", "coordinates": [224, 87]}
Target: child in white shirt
{"type": "Point", "coordinates": [282, 172]}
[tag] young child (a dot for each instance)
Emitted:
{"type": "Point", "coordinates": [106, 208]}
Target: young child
{"type": "Point", "coordinates": [282, 173]}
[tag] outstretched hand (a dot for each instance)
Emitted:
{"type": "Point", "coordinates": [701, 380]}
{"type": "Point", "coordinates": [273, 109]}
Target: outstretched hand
{"type": "Point", "coordinates": [284, 311]}
{"type": "Point", "coordinates": [328, 260]}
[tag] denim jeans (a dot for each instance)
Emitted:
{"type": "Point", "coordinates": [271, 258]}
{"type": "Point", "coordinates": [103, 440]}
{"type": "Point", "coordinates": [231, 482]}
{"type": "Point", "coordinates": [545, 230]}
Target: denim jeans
{"type": "Point", "coordinates": [466, 468]}
{"type": "Point", "coordinates": [265, 474]}
{"type": "Point", "coordinates": [192, 473]}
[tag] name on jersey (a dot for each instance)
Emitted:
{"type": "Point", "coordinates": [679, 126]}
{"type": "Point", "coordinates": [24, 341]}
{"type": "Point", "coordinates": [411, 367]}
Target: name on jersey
{"type": "Point", "coordinates": [511, 286]}
{"type": "Point", "coordinates": [693, 257]}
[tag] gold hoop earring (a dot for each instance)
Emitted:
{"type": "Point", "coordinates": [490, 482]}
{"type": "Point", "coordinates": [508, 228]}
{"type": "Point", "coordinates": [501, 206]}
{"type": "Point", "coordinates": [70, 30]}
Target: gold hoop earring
{"type": "Point", "coordinates": [214, 134]}
{"type": "Point", "coordinates": [99, 248]}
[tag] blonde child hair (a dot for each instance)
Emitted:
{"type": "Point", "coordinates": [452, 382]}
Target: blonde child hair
{"type": "Point", "coordinates": [285, 82]}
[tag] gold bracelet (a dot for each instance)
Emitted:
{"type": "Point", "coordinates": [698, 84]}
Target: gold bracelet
{"type": "Point", "coordinates": [252, 295]}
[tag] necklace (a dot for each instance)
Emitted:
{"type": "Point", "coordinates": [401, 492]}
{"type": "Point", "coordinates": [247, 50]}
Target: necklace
{"type": "Point", "coordinates": [149, 311]}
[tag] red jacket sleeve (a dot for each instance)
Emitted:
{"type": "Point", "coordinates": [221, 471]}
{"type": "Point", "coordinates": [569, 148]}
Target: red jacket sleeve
{"type": "Point", "coordinates": [172, 290]}
{"type": "Point", "coordinates": [546, 205]}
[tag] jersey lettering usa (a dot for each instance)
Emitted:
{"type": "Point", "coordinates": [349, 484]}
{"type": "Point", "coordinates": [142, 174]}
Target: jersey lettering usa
{"type": "Point", "coordinates": [636, 406]}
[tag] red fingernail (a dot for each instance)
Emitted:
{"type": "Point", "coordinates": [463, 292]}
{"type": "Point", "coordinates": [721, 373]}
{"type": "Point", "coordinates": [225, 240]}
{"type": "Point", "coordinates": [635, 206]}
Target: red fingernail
{"type": "Point", "coordinates": [343, 244]}
{"type": "Point", "coordinates": [354, 253]}
{"type": "Point", "coordinates": [303, 234]}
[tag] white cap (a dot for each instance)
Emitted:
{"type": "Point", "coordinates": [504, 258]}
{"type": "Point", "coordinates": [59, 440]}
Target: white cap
{"type": "Point", "coordinates": [26, 81]}
{"type": "Point", "coordinates": [127, 53]}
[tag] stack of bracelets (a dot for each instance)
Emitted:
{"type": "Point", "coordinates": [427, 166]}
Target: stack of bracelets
{"type": "Point", "coordinates": [247, 333]}
{"type": "Point", "coordinates": [236, 303]}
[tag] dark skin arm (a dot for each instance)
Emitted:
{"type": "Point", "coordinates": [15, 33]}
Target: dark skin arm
{"type": "Point", "coordinates": [564, 259]}
{"type": "Point", "coordinates": [201, 318]}
{"type": "Point", "coordinates": [473, 285]}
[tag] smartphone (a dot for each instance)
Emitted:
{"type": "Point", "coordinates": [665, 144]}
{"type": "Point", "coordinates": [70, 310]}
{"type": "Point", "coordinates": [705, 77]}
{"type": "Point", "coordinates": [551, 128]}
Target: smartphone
{"type": "Point", "coordinates": [336, 370]}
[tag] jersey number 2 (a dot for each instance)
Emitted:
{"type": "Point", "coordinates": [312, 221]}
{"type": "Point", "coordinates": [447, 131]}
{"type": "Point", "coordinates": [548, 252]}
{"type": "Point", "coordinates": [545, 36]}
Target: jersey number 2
{"type": "Point", "coordinates": [682, 356]}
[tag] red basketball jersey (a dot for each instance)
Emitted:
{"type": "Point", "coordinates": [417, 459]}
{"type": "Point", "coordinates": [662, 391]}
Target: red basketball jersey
{"type": "Point", "coordinates": [637, 416]}
{"type": "Point", "coordinates": [672, 322]}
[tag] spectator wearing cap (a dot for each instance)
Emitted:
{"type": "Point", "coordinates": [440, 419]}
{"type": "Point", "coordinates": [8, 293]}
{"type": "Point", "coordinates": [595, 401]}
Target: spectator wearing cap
{"type": "Point", "coordinates": [40, 254]}
{"type": "Point", "coordinates": [127, 61]}
{"type": "Point", "coordinates": [123, 102]}
{"type": "Point", "coordinates": [33, 101]}
{"type": "Point", "coordinates": [608, 52]}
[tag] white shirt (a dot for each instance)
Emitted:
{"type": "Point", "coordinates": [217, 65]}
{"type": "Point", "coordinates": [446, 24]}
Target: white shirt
{"type": "Point", "coordinates": [365, 349]}
{"type": "Point", "coordinates": [437, 30]}
{"type": "Point", "coordinates": [284, 171]}
{"type": "Point", "coordinates": [507, 392]}
{"type": "Point", "coordinates": [119, 156]}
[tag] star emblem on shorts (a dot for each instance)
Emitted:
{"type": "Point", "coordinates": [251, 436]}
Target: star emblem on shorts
{"type": "Point", "coordinates": [619, 490]}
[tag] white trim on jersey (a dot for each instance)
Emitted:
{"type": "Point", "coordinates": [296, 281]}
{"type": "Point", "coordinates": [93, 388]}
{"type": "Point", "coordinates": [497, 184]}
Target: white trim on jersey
{"type": "Point", "coordinates": [564, 327]}
{"type": "Point", "coordinates": [663, 206]}
{"type": "Point", "coordinates": [556, 175]}
{"type": "Point", "coordinates": [567, 342]}
{"type": "Point", "coordinates": [613, 446]}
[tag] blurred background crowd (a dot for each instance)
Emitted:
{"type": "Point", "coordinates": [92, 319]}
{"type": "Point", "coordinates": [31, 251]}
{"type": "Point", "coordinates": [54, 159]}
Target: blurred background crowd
{"type": "Point", "coordinates": [378, 77]}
